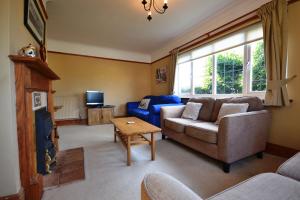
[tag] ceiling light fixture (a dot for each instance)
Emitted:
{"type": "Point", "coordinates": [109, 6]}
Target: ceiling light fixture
{"type": "Point", "coordinates": [151, 3]}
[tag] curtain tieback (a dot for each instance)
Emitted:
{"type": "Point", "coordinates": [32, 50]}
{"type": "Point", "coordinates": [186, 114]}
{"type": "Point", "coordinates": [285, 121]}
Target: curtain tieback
{"type": "Point", "coordinates": [277, 84]}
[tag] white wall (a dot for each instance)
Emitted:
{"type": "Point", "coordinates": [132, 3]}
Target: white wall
{"type": "Point", "coordinates": [13, 36]}
{"type": "Point", "coordinates": [9, 163]}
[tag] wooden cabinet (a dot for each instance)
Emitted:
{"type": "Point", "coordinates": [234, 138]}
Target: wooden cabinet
{"type": "Point", "coordinates": [107, 115]}
{"type": "Point", "coordinates": [100, 115]}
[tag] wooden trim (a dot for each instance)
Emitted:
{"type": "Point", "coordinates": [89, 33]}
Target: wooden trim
{"type": "Point", "coordinates": [35, 64]}
{"type": "Point", "coordinates": [282, 151]}
{"type": "Point", "coordinates": [18, 196]}
{"type": "Point", "coordinates": [221, 27]}
{"type": "Point", "coordinates": [98, 57]}
{"type": "Point", "coordinates": [216, 33]}
{"type": "Point", "coordinates": [292, 1]}
{"type": "Point", "coordinates": [160, 59]}
{"type": "Point", "coordinates": [67, 122]}
{"type": "Point", "coordinates": [43, 8]}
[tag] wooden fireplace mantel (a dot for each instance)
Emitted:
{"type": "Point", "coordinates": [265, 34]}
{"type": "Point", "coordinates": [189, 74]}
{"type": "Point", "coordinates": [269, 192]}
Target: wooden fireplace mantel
{"type": "Point", "coordinates": [31, 74]}
{"type": "Point", "coordinates": [35, 64]}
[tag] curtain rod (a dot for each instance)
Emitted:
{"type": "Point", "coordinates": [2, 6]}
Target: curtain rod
{"type": "Point", "coordinates": [209, 34]}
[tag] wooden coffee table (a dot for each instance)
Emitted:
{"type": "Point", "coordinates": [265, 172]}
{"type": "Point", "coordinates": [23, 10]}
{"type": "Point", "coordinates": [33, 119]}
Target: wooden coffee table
{"type": "Point", "coordinates": [134, 134]}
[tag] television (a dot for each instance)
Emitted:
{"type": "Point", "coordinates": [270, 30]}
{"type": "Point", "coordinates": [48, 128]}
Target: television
{"type": "Point", "coordinates": [94, 98]}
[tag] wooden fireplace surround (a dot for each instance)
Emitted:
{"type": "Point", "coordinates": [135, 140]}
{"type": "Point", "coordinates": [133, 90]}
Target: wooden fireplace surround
{"type": "Point", "coordinates": [31, 74]}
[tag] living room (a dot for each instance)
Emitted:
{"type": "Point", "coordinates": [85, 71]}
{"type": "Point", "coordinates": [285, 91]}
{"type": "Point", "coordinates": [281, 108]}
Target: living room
{"type": "Point", "coordinates": [94, 64]}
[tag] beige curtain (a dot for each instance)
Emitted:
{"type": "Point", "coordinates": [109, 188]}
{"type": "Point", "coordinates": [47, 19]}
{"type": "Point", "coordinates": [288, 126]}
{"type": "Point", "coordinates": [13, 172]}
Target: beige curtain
{"type": "Point", "coordinates": [172, 69]}
{"type": "Point", "coordinates": [274, 20]}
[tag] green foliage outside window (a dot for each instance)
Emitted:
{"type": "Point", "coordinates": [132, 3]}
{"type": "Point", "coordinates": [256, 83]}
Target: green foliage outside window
{"type": "Point", "coordinates": [230, 73]}
{"type": "Point", "coordinates": [259, 69]}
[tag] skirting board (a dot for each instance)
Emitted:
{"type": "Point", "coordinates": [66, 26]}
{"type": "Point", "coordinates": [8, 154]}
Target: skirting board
{"type": "Point", "coordinates": [18, 196]}
{"type": "Point", "coordinates": [67, 122]}
{"type": "Point", "coordinates": [282, 151]}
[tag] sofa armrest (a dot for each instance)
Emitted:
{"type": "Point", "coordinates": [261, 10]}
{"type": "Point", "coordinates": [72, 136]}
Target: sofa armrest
{"type": "Point", "coordinates": [155, 109]}
{"type": "Point", "coordinates": [243, 134]}
{"type": "Point", "coordinates": [132, 105]}
{"type": "Point", "coordinates": [291, 168]}
{"type": "Point", "coordinates": [159, 186]}
{"type": "Point", "coordinates": [170, 112]}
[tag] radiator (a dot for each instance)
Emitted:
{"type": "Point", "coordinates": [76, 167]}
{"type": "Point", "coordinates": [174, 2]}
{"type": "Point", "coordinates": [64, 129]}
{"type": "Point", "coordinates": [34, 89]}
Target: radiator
{"type": "Point", "coordinates": [72, 107]}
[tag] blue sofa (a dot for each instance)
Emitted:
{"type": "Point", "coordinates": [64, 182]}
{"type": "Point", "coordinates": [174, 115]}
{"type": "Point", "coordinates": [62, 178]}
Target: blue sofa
{"type": "Point", "coordinates": [152, 114]}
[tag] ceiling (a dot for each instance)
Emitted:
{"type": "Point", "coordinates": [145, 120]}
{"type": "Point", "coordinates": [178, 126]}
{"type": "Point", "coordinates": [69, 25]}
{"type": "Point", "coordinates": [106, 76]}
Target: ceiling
{"type": "Point", "coordinates": [122, 24]}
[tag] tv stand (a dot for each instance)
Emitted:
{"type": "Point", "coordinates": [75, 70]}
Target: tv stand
{"type": "Point", "coordinates": [100, 115]}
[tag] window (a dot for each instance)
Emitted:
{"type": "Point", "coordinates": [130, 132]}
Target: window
{"type": "Point", "coordinates": [233, 65]}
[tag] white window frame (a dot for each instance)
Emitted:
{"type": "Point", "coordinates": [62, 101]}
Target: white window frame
{"type": "Point", "coordinates": [246, 73]}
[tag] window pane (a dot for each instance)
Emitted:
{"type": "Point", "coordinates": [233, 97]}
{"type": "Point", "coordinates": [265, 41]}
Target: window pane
{"type": "Point", "coordinates": [258, 70]}
{"type": "Point", "coordinates": [183, 58]}
{"type": "Point", "coordinates": [185, 78]}
{"type": "Point", "coordinates": [230, 71]}
{"type": "Point", "coordinates": [203, 70]}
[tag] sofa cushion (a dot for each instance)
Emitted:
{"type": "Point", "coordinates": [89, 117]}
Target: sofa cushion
{"type": "Point", "coordinates": [207, 107]}
{"type": "Point", "coordinates": [231, 108]}
{"type": "Point", "coordinates": [267, 186]}
{"type": "Point", "coordinates": [204, 131]}
{"type": "Point", "coordinates": [255, 104]}
{"type": "Point", "coordinates": [178, 124]}
{"type": "Point", "coordinates": [144, 104]}
{"type": "Point", "coordinates": [191, 110]}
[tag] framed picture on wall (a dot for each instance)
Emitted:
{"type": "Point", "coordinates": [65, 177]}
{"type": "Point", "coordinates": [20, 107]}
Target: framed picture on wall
{"type": "Point", "coordinates": [161, 75]}
{"type": "Point", "coordinates": [34, 21]}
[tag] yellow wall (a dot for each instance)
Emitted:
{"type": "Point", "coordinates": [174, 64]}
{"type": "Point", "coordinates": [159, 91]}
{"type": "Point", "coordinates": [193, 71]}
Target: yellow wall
{"type": "Point", "coordinates": [120, 81]}
{"type": "Point", "coordinates": [160, 88]}
{"type": "Point", "coordinates": [285, 130]}
{"type": "Point", "coordinates": [286, 122]}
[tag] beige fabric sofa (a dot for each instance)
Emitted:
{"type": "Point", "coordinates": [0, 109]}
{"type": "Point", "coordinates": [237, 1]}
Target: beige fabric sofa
{"type": "Point", "coordinates": [266, 186]}
{"type": "Point", "coordinates": [236, 137]}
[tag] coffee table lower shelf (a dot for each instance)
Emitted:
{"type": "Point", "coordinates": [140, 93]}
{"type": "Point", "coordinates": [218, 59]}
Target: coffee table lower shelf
{"type": "Point", "coordinates": [132, 140]}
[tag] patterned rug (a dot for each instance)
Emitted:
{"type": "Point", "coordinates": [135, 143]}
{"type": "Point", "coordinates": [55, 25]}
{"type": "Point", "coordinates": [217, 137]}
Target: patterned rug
{"type": "Point", "coordinates": [70, 168]}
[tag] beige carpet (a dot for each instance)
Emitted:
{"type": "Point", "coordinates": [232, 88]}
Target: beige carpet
{"type": "Point", "coordinates": [108, 177]}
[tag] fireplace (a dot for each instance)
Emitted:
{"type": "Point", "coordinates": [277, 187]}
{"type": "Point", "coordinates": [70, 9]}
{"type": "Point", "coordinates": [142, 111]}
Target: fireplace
{"type": "Point", "coordinates": [45, 149]}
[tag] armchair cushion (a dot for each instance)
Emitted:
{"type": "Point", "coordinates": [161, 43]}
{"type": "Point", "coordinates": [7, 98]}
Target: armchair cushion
{"type": "Point", "coordinates": [204, 131]}
{"type": "Point", "coordinates": [291, 168]}
{"type": "Point", "coordinates": [178, 124]}
{"type": "Point", "coordinates": [158, 186]}
{"type": "Point", "coordinates": [267, 186]}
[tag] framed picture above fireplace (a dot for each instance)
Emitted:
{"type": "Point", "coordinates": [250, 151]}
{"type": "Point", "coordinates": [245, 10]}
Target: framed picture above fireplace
{"type": "Point", "coordinates": [34, 20]}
